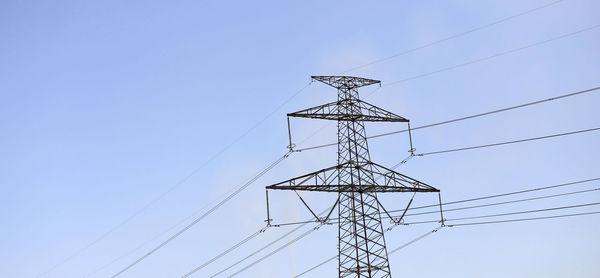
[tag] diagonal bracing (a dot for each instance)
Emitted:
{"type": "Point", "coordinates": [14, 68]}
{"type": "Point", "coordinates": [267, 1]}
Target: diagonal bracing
{"type": "Point", "coordinates": [355, 178]}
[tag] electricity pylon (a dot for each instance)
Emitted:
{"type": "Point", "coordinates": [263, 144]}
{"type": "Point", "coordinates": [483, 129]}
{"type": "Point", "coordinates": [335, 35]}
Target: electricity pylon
{"type": "Point", "coordinates": [356, 179]}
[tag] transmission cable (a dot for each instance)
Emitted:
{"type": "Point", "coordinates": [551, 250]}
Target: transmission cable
{"type": "Point", "coordinates": [524, 219]}
{"type": "Point", "coordinates": [179, 183]}
{"type": "Point", "coordinates": [198, 219]}
{"type": "Point", "coordinates": [468, 207]}
{"type": "Point", "coordinates": [285, 235]}
{"type": "Point", "coordinates": [495, 215]}
{"type": "Point", "coordinates": [481, 27]}
{"type": "Point", "coordinates": [389, 253]}
{"type": "Point", "coordinates": [502, 203]}
{"type": "Point", "coordinates": [493, 56]}
{"type": "Point", "coordinates": [227, 251]}
{"type": "Point", "coordinates": [473, 199]}
{"type": "Point", "coordinates": [446, 220]}
{"type": "Point", "coordinates": [176, 185]}
{"type": "Point", "coordinates": [262, 248]}
{"type": "Point", "coordinates": [464, 118]}
{"type": "Point", "coordinates": [277, 250]}
{"type": "Point", "coordinates": [486, 58]}
{"type": "Point", "coordinates": [512, 193]}
{"type": "Point", "coordinates": [253, 253]}
{"type": "Point", "coordinates": [463, 224]}
{"type": "Point", "coordinates": [293, 240]}
{"type": "Point", "coordinates": [525, 212]}
{"type": "Point", "coordinates": [489, 145]}
{"type": "Point", "coordinates": [509, 142]}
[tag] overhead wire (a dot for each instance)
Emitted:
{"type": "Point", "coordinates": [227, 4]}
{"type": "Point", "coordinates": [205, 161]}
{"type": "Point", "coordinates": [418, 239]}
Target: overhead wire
{"type": "Point", "coordinates": [509, 142]}
{"type": "Point", "coordinates": [457, 35]}
{"type": "Point", "coordinates": [104, 266]}
{"type": "Point", "coordinates": [503, 203]}
{"type": "Point", "coordinates": [290, 232]}
{"type": "Point", "coordinates": [479, 198]}
{"type": "Point", "coordinates": [253, 253]}
{"type": "Point", "coordinates": [226, 252]}
{"type": "Point", "coordinates": [174, 186]}
{"type": "Point", "coordinates": [422, 75]}
{"type": "Point", "coordinates": [525, 212]}
{"type": "Point", "coordinates": [469, 207]}
{"type": "Point", "coordinates": [458, 225]}
{"type": "Point", "coordinates": [198, 219]}
{"type": "Point", "coordinates": [463, 64]}
{"type": "Point", "coordinates": [435, 221]}
{"type": "Point", "coordinates": [454, 202]}
{"type": "Point", "coordinates": [492, 215]}
{"type": "Point", "coordinates": [260, 249]}
{"type": "Point", "coordinates": [276, 250]}
{"type": "Point", "coordinates": [389, 253]}
{"type": "Point", "coordinates": [512, 193]}
{"type": "Point", "coordinates": [524, 219]}
{"type": "Point", "coordinates": [478, 60]}
{"type": "Point", "coordinates": [162, 195]}
{"type": "Point", "coordinates": [464, 118]}
{"type": "Point", "coordinates": [489, 145]}
{"type": "Point", "coordinates": [476, 199]}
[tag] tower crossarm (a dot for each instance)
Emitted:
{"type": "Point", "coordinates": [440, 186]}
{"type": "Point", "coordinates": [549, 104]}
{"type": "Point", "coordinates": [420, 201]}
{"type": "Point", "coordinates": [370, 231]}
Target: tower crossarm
{"type": "Point", "coordinates": [326, 180]}
{"type": "Point", "coordinates": [356, 180]}
{"type": "Point", "coordinates": [345, 82]}
{"type": "Point", "coordinates": [363, 112]}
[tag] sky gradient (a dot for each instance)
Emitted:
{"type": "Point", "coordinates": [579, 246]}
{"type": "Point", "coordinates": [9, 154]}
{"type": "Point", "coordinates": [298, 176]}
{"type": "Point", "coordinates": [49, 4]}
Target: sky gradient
{"type": "Point", "coordinates": [105, 106]}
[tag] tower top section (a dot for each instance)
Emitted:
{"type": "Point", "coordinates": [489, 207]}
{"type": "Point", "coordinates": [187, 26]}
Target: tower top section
{"type": "Point", "coordinates": [345, 82]}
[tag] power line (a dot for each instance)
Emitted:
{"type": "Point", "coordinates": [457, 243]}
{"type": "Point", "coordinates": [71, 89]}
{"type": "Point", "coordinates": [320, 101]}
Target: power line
{"type": "Point", "coordinates": [154, 238]}
{"type": "Point", "coordinates": [480, 206]}
{"type": "Point", "coordinates": [501, 203]}
{"type": "Point", "coordinates": [513, 193]}
{"type": "Point", "coordinates": [466, 117]}
{"type": "Point", "coordinates": [226, 252]}
{"type": "Point", "coordinates": [559, 37]}
{"type": "Point", "coordinates": [176, 185]}
{"type": "Point", "coordinates": [415, 240]}
{"type": "Point", "coordinates": [481, 27]}
{"type": "Point", "coordinates": [494, 56]}
{"type": "Point", "coordinates": [316, 266]}
{"type": "Point", "coordinates": [253, 253]}
{"type": "Point", "coordinates": [136, 248]}
{"type": "Point", "coordinates": [277, 250]}
{"type": "Point", "coordinates": [521, 106]}
{"type": "Point", "coordinates": [237, 191]}
{"type": "Point", "coordinates": [524, 212]}
{"type": "Point", "coordinates": [390, 252]}
{"type": "Point", "coordinates": [261, 249]}
{"type": "Point", "coordinates": [474, 199]}
{"type": "Point", "coordinates": [456, 219]}
{"type": "Point", "coordinates": [524, 219]}
{"type": "Point", "coordinates": [462, 224]}
{"type": "Point", "coordinates": [495, 215]}
{"type": "Point", "coordinates": [498, 215]}
{"type": "Point", "coordinates": [162, 195]}
{"type": "Point", "coordinates": [509, 142]}
{"type": "Point", "coordinates": [285, 235]}
{"type": "Point", "coordinates": [285, 102]}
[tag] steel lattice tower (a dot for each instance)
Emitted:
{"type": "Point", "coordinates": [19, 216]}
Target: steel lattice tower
{"type": "Point", "coordinates": [356, 179]}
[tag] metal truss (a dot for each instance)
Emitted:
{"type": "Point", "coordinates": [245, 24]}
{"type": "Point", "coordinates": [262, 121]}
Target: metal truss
{"type": "Point", "coordinates": [362, 112]}
{"type": "Point", "coordinates": [356, 179]}
{"type": "Point", "coordinates": [345, 82]}
{"type": "Point", "coordinates": [327, 180]}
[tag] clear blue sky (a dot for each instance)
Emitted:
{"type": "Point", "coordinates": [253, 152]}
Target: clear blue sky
{"type": "Point", "coordinates": [105, 105]}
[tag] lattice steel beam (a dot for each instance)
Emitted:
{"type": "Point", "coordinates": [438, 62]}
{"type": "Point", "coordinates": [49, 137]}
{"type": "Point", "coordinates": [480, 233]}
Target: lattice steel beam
{"type": "Point", "coordinates": [356, 179]}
